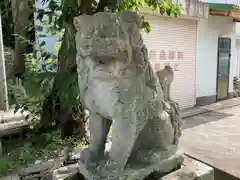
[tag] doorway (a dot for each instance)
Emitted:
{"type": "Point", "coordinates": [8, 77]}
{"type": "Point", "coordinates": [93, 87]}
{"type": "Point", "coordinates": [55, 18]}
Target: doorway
{"type": "Point", "coordinates": [223, 66]}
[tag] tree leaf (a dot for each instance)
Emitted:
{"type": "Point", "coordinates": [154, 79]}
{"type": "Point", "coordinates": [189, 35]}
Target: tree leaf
{"type": "Point", "coordinates": [146, 27]}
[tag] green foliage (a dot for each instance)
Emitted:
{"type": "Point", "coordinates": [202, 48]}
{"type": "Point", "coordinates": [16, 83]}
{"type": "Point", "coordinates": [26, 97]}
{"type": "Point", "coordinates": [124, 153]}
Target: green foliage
{"type": "Point", "coordinates": [146, 27]}
{"type": "Point", "coordinates": [27, 152]}
{"type": "Point", "coordinates": [57, 142]}
{"type": "Point", "coordinates": [236, 93]}
{"type": "Point", "coordinates": [7, 163]}
{"type": "Point", "coordinates": [68, 9]}
{"type": "Point", "coordinates": [16, 157]}
{"type": "Point", "coordinates": [236, 87]}
{"type": "Point", "coordinates": [38, 85]}
{"type": "Point", "coordinates": [163, 6]}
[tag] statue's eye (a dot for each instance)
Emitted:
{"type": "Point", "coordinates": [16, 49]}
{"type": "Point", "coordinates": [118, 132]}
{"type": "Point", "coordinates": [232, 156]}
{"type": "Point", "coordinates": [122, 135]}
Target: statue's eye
{"type": "Point", "coordinates": [101, 61]}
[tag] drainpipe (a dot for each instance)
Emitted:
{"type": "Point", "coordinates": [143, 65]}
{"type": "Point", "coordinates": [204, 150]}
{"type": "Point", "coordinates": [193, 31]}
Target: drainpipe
{"type": "Point", "coordinates": [3, 82]}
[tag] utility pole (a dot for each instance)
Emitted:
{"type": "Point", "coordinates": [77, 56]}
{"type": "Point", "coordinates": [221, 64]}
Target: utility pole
{"type": "Point", "coordinates": [3, 81]}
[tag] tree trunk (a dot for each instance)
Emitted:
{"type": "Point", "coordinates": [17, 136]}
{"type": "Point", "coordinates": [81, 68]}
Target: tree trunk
{"type": "Point", "coordinates": [67, 52]}
{"type": "Point", "coordinates": [20, 12]}
{"type": "Point", "coordinates": [53, 109]}
{"type": "Point", "coordinates": [63, 115]}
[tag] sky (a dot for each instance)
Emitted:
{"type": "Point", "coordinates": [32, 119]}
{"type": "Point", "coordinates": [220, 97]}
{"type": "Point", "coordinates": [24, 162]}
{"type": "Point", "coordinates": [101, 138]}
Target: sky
{"type": "Point", "coordinates": [51, 42]}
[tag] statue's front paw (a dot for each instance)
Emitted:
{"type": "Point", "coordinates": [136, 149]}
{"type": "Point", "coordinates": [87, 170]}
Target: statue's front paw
{"type": "Point", "coordinates": [109, 171]}
{"type": "Point", "coordinates": [87, 160]}
{"type": "Point", "coordinates": [84, 156]}
{"type": "Point", "coordinates": [148, 157]}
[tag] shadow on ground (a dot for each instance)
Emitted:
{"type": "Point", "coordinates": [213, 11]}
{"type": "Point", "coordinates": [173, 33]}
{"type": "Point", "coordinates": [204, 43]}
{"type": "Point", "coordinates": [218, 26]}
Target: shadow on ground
{"type": "Point", "coordinates": [204, 118]}
{"type": "Point", "coordinates": [221, 175]}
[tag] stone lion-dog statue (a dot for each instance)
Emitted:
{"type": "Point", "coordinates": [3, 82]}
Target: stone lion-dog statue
{"type": "Point", "coordinates": [121, 90]}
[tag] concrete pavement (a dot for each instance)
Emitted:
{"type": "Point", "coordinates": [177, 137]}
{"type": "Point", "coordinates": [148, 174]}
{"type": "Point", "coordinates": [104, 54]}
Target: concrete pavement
{"type": "Point", "coordinates": [214, 138]}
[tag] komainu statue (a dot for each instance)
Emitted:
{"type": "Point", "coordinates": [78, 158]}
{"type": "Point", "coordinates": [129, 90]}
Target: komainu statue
{"type": "Point", "coordinates": [122, 92]}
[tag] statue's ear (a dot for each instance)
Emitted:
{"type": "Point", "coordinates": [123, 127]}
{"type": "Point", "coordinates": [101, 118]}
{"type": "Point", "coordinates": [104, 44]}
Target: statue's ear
{"type": "Point", "coordinates": [165, 82]}
{"type": "Point", "coordinates": [128, 16]}
{"type": "Point", "coordinates": [140, 21]}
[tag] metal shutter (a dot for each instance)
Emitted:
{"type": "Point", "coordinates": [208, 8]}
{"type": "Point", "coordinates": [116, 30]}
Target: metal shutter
{"type": "Point", "coordinates": [177, 38]}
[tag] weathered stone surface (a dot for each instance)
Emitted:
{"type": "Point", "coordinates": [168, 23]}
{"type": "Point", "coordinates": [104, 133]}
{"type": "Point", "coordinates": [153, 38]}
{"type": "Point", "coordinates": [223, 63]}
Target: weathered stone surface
{"type": "Point", "coordinates": [140, 172]}
{"type": "Point", "coordinates": [120, 89]}
{"type": "Point", "coordinates": [11, 123]}
{"type": "Point", "coordinates": [191, 170]}
{"type": "Point", "coordinates": [66, 172]}
{"type": "Point", "coordinates": [12, 127]}
{"type": "Point", "coordinates": [135, 172]}
{"type": "Point", "coordinates": [41, 169]}
{"type": "Point", "coordinates": [12, 177]}
{"type": "Point", "coordinates": [9, 116]}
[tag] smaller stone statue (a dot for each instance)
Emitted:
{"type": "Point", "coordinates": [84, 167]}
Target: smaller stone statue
{"type": "Point", "coordinates": [166, 77]}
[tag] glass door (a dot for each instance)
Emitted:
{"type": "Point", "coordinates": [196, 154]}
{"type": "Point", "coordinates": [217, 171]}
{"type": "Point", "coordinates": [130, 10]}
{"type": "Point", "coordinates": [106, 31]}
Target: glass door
{"type": "Point", "coordinates": [224, 54]}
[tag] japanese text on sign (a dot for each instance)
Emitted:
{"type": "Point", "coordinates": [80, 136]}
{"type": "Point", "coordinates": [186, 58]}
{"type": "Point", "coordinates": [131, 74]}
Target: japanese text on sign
{"type": "Point", "coordinates": [166, 56]}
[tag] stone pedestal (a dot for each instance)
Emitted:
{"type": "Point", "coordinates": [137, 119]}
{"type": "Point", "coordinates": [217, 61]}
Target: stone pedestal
{"type": "Point", "coordinates": [190, 170]}
{"type": "Point", "coordinates": [12, 177]}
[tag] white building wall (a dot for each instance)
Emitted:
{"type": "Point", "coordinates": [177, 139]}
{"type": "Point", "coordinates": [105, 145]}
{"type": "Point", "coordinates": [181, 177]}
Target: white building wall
{"type": "Point", "coordinates": [207, 48]}
{"type": "Point", "coordinates": [174, 36]}
{"type": "Point", "coordinates": [238, 29]}
{"type": "Point", "coordinates": [238, 57]}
